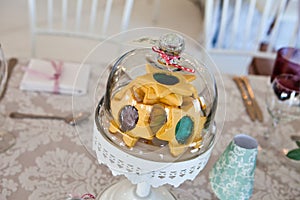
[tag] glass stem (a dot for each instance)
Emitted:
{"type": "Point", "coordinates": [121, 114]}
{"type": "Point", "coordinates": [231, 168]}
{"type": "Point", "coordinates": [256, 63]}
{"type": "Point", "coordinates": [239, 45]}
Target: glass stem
{"type": "Point", "coordinates": [143, 189]}
{"type": "Point", "coordinates": [272, 127]}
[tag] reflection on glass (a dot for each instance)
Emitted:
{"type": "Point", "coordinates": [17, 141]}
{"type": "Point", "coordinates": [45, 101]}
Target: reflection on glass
{"type": "Point", "coordinates": [283, 100]}
{"type": "Point", "coordinates": [7, 139]}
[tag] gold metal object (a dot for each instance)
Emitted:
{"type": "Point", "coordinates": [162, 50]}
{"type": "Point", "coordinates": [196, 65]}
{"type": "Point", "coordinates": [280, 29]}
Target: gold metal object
{"type": "Point", "coordinates": [246, 99]}
{"type": "Point", "coordinates": [70, 119]}
{"type": "Point", "coordinates": [258, 112]}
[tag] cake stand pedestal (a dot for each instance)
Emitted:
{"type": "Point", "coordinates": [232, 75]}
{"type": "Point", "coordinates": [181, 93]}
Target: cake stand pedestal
{"type": "Point", "coordinates": [125, 190]}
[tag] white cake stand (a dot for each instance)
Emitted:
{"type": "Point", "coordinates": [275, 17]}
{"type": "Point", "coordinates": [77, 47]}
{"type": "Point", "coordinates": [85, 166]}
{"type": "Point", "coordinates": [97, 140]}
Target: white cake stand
{"type": "Point", "coordinates": [144, 177]}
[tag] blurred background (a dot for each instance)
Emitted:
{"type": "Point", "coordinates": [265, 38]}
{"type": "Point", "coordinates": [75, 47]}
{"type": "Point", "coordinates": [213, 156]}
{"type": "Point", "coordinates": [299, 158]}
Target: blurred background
{"type": "Point", "coordinates": [185, 16]}
{"type": "Point", "coordinates": [181, 15]}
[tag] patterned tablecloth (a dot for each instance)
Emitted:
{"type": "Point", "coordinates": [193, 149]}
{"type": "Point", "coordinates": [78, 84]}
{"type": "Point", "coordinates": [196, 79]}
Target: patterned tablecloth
{"type": "Point", "coordinates": [49, 161]}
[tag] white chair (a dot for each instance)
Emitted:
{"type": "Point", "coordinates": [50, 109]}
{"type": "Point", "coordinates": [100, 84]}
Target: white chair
{"type": "Point", "coordinates": [89, 19]}
{"type": "Point", "coordinates": [234, 30]}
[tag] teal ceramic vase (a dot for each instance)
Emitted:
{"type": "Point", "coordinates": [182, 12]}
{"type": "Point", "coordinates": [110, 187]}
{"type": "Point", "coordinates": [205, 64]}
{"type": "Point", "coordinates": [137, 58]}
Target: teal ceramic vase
{"type": "Point", "coordinates": [232, 176]}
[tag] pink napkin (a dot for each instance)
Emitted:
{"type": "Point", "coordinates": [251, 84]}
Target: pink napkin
{"type": "Point", "coordinates": [55, 76]}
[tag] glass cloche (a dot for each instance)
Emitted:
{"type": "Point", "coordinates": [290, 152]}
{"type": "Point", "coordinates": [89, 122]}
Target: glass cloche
{"type": "Point", "coordinates": [159, 103]}
{"type": "Point", "coordinates": [156, 119]}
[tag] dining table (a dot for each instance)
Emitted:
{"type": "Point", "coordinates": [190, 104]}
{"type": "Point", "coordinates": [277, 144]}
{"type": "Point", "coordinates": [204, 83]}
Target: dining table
{"type": "Point", "coordinates": [50, 161]}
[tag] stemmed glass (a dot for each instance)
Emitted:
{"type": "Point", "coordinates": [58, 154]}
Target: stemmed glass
{"type": "Point", "coordinates": [283, 102]}
{"type": "Point", "coordinates": [6, 139]}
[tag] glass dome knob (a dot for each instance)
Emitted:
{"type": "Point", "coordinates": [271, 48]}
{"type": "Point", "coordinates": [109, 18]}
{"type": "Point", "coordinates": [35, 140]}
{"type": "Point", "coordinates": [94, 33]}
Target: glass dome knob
{"type": "Point", "coordinates": [171, 44]}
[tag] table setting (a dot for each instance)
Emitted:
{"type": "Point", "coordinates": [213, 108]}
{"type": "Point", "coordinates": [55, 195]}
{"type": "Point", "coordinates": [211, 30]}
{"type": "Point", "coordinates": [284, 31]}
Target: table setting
{"type": "Point", "coordinates": [100, 130]}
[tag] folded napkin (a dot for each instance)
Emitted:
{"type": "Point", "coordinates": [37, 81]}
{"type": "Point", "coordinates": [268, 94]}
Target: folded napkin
{"type": "Point", "coordinates": [56, 77]}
